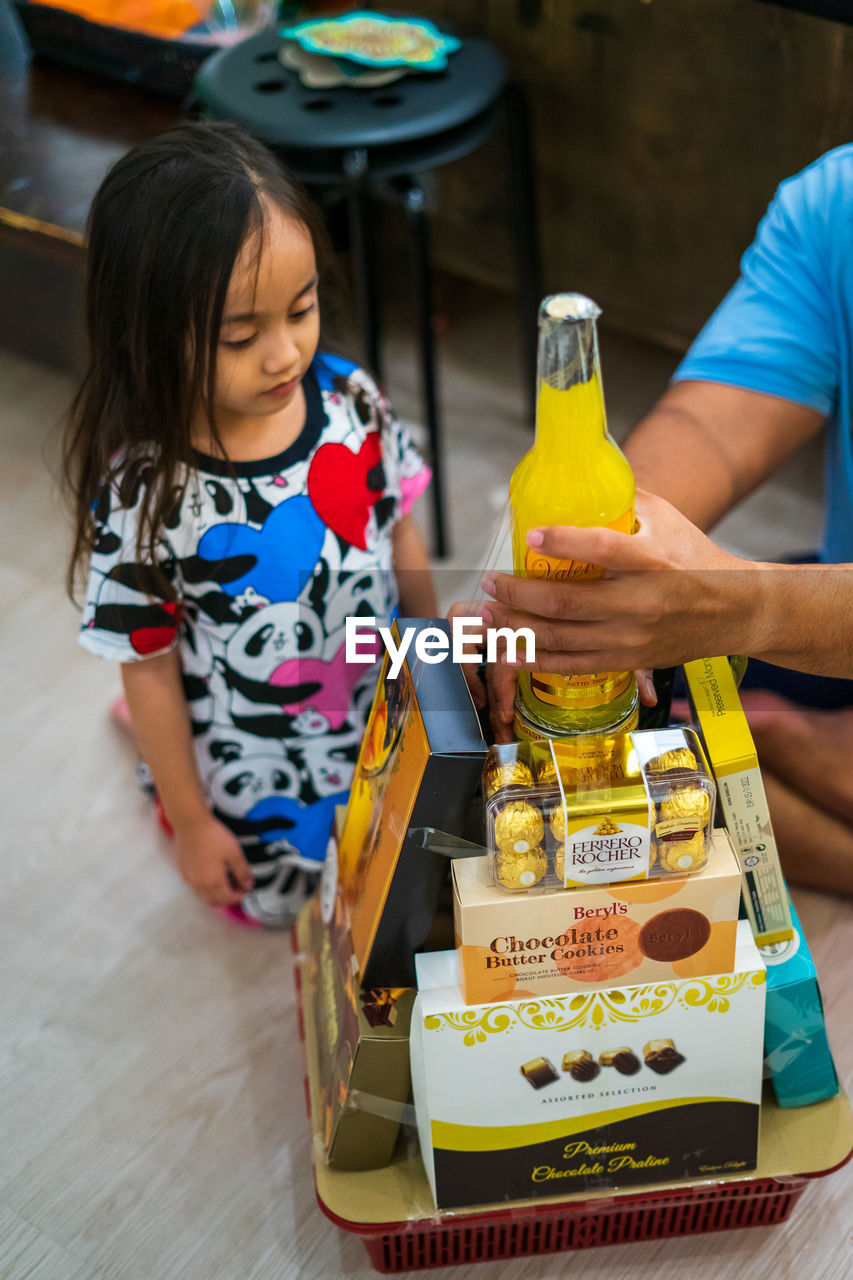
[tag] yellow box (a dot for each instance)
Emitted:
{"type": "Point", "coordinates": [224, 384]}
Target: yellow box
{"type": "Point", "coordinates": [740, 792]}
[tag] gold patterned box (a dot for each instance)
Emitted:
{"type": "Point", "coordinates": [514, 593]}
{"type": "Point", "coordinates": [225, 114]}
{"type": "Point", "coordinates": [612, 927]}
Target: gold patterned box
{"type": "Point", "coordinates": [605, 1089]}
{"type": "Point", "coordinates": [362, 1037]}
{"type": "Point", "coordinates": [417, 773]}
{"type": "Point", "coordinates": [509, 946]}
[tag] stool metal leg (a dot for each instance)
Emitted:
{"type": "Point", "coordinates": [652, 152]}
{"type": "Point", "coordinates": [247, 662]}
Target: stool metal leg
{"type": "Point", "coordinates": [361, 236]}
{"type": "Point", "coordinates": [523, 209]}
{"type": "Point", "coordinates": [416, 211]}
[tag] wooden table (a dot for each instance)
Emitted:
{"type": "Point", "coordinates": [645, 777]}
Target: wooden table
{"type": "Point", "coordinates": [61, 130]}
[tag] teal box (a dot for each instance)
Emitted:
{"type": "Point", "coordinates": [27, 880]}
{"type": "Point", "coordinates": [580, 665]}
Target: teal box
{"type": "Point", "coordinates": [796, 1051]}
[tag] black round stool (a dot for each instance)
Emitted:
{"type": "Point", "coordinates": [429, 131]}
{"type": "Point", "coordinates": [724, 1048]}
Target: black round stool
{"type": "Point", "coordinates": [368, 143]}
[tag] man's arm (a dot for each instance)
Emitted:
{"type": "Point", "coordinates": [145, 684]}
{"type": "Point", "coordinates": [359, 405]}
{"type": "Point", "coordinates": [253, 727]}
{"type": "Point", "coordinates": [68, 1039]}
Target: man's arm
{"type": "Point", "coordinates": [670, 595]}
{"type": "Point", "coordinates": [705, 445]}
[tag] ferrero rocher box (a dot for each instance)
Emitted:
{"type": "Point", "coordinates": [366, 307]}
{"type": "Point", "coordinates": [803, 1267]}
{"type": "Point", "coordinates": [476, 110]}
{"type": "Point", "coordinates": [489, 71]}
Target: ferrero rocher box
{"type": "Point", "coordinates": [586, 939]}
{"type": "Point", "coordinates": [417, 772]}
{"type": "Point", "coordinates": [645, 814]}
{"type": "Point", "coordinates": [362, 1040]}
{"type": "Point", "coordinates": [609, 1089]}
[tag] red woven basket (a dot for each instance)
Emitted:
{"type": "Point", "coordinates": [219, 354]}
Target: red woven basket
{"type": "Point", "coordinates": [480, 1237]}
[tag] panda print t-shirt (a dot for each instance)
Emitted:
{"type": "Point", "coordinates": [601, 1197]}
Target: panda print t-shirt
{"type": "Point", "coordinates": [266, 560]}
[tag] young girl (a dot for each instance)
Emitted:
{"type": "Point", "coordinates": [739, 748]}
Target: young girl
{"type": "Point", "coordinates": [238, 495]}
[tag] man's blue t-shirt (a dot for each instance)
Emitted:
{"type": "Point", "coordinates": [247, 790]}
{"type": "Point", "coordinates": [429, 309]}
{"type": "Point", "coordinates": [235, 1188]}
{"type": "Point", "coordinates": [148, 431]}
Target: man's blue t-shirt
{"type": "Point", "coordinates": [786, 328]}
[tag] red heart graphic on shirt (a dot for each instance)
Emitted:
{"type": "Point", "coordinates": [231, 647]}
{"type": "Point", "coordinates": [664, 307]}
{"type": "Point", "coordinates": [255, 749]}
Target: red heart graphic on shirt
{"type": "Point", "coordinates": [153, 639]}
{"type": "Point", "coordinates": [339, 490]}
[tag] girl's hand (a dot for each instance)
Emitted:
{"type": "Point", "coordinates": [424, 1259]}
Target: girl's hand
{"type": "Point", "coordinates": [212, 863]}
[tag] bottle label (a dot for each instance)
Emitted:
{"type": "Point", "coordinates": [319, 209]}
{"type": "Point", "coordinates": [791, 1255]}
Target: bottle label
{"type": "Point", "coordinates": [539, 565]}
{"type": "Point", "coordinates": [586, 691]}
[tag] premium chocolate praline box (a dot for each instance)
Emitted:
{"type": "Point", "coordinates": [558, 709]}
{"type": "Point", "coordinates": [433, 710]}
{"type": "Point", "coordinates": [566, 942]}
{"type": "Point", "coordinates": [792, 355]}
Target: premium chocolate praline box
{"type": "Point", "coordinates": [605, 1089]}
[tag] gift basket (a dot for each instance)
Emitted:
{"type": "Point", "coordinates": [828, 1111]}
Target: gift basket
{"type": "Point", "coordinates": [582, 939]}
{"type": "Point", "coordinates": [392, 1211]}
{"type": "Point", "coordinates": [492, 1099]}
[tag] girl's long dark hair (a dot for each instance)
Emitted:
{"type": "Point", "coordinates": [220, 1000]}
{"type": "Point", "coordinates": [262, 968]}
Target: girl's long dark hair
{"type": "Point", "coordinates": [165, 229]}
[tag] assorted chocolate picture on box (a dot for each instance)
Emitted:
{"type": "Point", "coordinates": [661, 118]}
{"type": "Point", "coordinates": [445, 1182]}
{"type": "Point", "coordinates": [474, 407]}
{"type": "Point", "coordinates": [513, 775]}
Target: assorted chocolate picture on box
{"type": "Point", "coordinates": [660, 1056]}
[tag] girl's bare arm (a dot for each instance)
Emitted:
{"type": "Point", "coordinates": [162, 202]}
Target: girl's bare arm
{"type": "Point", "coordinates": [209, 856]}
{"type": "Point", "coordinates": [412, 571]}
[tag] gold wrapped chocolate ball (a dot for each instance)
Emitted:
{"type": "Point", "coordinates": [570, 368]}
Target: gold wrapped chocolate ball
{"type": "Point", "coordinates": [687, 802]}
{"type": "Point", "coordinates": [520, 870]}
{"type": "Point", "coordinates": [509, 773]}
{"type": "Point", "coordinates": [546, 773]}
{"type": "Point", "coordinates": [557, 822]}
{"type": "Point", "coordinates": [678, 758]}
{"type": "Point", "coordinates": [679, 857]}
{"type": "Point", "coordinates": [518, 827]}
{"type": "Point", "coordinates": [560, 862]}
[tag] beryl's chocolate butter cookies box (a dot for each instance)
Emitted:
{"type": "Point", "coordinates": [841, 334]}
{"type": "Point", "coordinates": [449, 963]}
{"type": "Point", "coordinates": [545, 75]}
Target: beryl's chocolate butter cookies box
{"type": "Point", "coordinates": [605, 1089]}
{"type": "Point", "coordinates": [602, 935]}
{"type": "Point", "coordinates": [418, 770]}
{"type": "Point", "coordinates": [362, 1037]}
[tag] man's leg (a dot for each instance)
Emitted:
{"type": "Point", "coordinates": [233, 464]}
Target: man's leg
{"type": "Point", "coordinates": [809, 750]}
{"type": "Point", "coordinates": [815, 848]}
{"type": "Point", "coordinates": [805, 757]}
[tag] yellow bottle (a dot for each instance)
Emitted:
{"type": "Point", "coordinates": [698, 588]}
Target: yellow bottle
{"type": "Point", "coordinates": [575, 474]}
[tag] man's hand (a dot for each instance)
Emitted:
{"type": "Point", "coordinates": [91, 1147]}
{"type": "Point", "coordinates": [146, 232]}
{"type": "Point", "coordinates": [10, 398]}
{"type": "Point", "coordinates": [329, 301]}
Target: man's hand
{"type": "Point", "coordinates": [668, 595]}
{"type": "Point", "coordinates": [470, 670]}
{"type": "Point", "coordinates": [212, 863]}
{"type": "Point", "coordinates": [496, 688]}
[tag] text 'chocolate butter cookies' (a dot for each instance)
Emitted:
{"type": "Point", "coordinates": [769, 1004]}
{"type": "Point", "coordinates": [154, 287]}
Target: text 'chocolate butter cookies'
{"type": "Point", "coordinates": [539, 1072]}
{"type": "Point", "coordinates": [580, 1065]}
{"type": "Point", "coordinates": [674, 935]}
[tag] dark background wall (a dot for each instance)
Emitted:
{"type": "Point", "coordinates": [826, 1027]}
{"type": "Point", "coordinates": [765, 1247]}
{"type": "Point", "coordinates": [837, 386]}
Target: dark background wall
{"type": "Point", "coordinates": [662, 129]}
